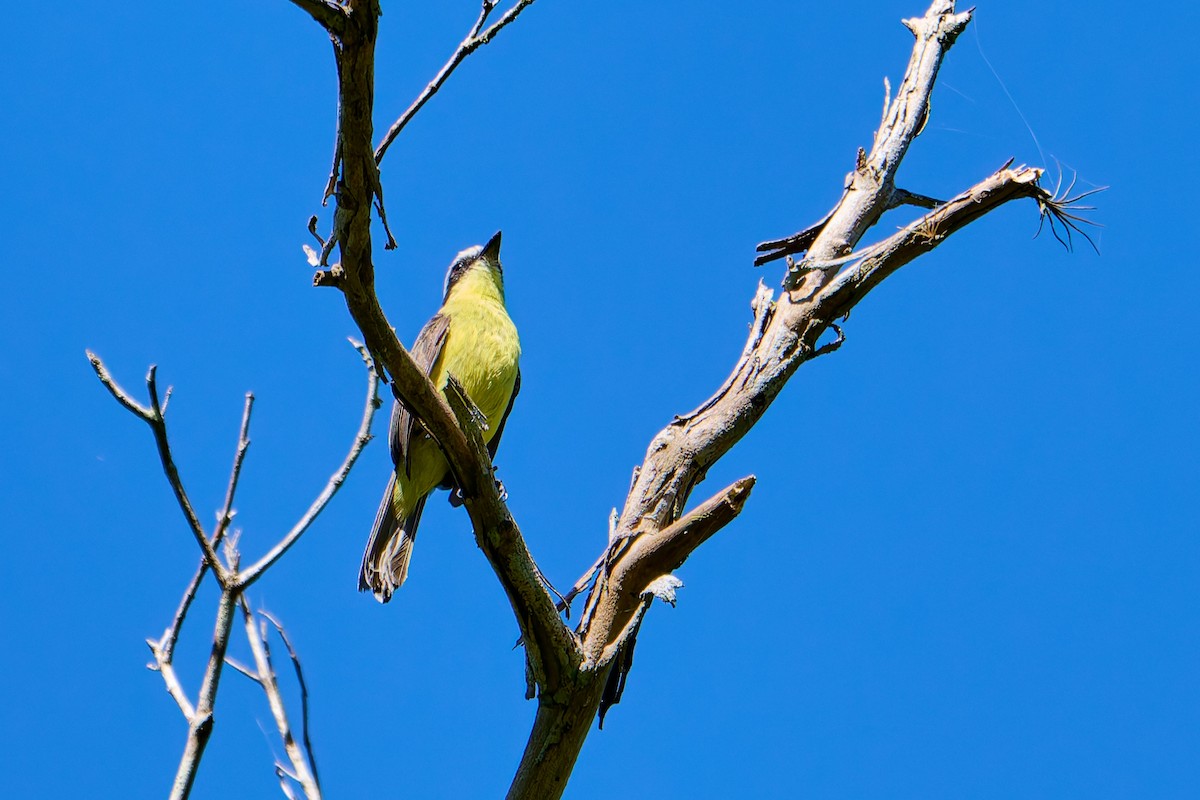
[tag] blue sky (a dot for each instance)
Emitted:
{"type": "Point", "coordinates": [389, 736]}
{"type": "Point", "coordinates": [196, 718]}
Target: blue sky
{"type": "Point", "coordinates": [969, 567]}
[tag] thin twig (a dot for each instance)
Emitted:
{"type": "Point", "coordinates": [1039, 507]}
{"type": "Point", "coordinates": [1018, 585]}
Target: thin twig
{"type": "Point", "coordinates": [171, 635]}
{"type": "Point", "coordinates": [584, 581]}
{"type": "Point", "coordinates": [153, 416]}
{"type": "Point", "coordinates": [390, 241]}
{"type": "Point", "coordinates": [224, 517]}
{"type": "Point", "coordinates": [242, 668]}
{"type": "Point", "coordinates": [474, 40]}
{"type": "Point", "coordinates": [200, 723]}
{"type": "Point", "coordinates": [120, 394]}
{"type": "Point", "coordinates": [903, 197]}
{"type": "Point", "coordinates": [308, 748]}
{"type": "Point", "coordinates": [330, 15]}
{"type": "Point", "coordinates": [163, 666]}
{"type": "Point", "coordinates": [249, 575]}
{"type": "Point", "coordinates": [226, 514]}
{"type": "Point", "coordinates": [257, 638]}
{"type": "Point", "coordinates": [159, 425]}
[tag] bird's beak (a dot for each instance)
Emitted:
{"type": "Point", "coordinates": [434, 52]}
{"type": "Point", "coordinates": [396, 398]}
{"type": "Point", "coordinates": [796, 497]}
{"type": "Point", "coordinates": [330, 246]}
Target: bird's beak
{"type": "Point", "coordinates": [491, 250]}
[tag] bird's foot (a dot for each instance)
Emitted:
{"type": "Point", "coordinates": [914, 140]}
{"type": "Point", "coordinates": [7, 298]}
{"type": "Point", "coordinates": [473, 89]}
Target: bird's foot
{"type": "Point", "coordinates": [457, 498]}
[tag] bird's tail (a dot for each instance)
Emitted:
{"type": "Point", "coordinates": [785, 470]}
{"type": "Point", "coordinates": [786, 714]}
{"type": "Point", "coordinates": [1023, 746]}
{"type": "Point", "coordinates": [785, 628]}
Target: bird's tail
{"type": "Point", "coordinates": [385, 562]}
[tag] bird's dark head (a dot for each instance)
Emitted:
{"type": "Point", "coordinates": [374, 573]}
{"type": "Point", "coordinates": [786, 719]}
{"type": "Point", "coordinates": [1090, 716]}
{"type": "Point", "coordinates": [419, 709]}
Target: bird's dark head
{"type": "Point", "coordinates": [486, 256]}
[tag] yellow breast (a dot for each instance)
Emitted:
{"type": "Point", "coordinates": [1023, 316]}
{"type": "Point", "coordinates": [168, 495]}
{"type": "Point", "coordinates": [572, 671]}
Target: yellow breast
{"type": "Point", "coordinates": [481, 349]}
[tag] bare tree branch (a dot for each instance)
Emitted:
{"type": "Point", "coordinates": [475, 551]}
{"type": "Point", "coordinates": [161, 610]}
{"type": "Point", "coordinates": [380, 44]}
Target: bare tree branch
{"type": "Point", "coordinates": [784, 332]}
{"type": "Point", "coordinates": [329, 14]}
{"type": "Point", "coordinates": [257, 638]}
{"type": "Point", "coordinates": [871, 185]}
{"type": "Point", "coordinates": [879, 261]}
{"type": "Point", "coordinates": [783, 335]}
{"type": "Point", "coordinates": [164, 648]}
{"type": "Point", "coordinates": [552, 649]}
{"type": "Point", "coordinates": [116, 391]}
{"type": "Point", "coordinates": [501, 23]}
{"type": "Point", "coordinates": [200, 722]}
{"type": "Point", "coordinates": [474, 40]}
{"type": "Point", "coordinates": [242, 668]}
{"type": "Point", "coordinates": [200, 715]}
{"type": "Point", "coordinates": [287, 642]}
{"type": "Point", "coordinates": [633, 564]}
{"type": "Point", "coordinates": [665, 551]}
{"type": "Point", "coordinates": [164, 665]}
{"type": "Point", "coordinates": [903, 197]}
{"type": "Point", "coordinates": [171, 635]}
{"type": "Point", "coordinates": [575, 672]}
{"type": "Point", "coordinates": [249, 575]}
{"type": "Point", "coordinates": [354, 276]}
{"type": "Point", "coordinates": [225, 516]}
{"type": "Point", "coordinates": [153, 416]}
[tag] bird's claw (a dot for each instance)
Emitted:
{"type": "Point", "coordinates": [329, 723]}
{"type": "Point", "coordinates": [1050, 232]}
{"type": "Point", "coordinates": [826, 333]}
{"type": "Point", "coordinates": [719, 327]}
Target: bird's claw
{"type": "Point", "coordinates": [457, 498]}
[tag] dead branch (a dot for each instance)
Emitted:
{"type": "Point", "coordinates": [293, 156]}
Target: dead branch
{"type": "Point", "coordinates": [354, 276]}
{"type": "Point", "coordinates": [869, 268]}
{"type": "Point", "coordinates": [635, 564]}
{"type": "Point", "coordinates": [576, 672]}
{"type": "Point", "coordinates": [783, 335]}
{"type": "Point", "coordinates": [200, 722]}
{"type": "Point", "coordinates": [249, 575]}
{"type": "Point", "coordinates": [552, 649]}
{"type": "Point", "coordinates": [475, 39]}
{"type": "Point", "coordinates": [303, 769]}
{"type": "Point", "coordinates": [226, 514]}
{"type": "Point", "coordinates": [153, 416]}
{"type": "Point", "coordinates": [784, 332]}
{"type": "Point", "coordinates": [232, 582]}
{"type": "Point", "coordinates": [330, 14]}
{"type": "Point", "coordinates": [303, 684]}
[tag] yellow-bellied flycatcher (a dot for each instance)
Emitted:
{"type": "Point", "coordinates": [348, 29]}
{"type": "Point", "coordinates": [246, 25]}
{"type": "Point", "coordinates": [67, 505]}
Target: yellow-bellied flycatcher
{"type": "Point", "coordinates": [472, 338]}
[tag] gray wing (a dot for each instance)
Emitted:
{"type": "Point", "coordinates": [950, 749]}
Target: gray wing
{"type": "Point", "coordinates": [494, 444]}
{"type": "Point", "coordinates": [426, 351]}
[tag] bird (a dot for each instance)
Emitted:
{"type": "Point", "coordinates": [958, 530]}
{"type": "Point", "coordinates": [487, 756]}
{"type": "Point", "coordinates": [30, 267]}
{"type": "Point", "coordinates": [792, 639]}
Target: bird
{"type": "Point", "coordinates": [472, 338]}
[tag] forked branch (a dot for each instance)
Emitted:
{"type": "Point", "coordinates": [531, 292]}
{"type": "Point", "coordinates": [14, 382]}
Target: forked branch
{"type": "Point", "coordinates": [576, 671]}
{"type": "Point", "coordinates": [475, 39]}
{"type": "Point", "coordinates": [302, 767]}
{"type": "Point", "coordinates": [154, 416]}
{"type": "Point", "coordinates": [249, 575]}
{"type": "Point", "coordinates": [786, 331]}
{"type": "Point", "coordinates": [354, 276]}
{"type": "Point", "coordinates": [330, 14]}
{"type": "Point", "coordinates": [232, 581]}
